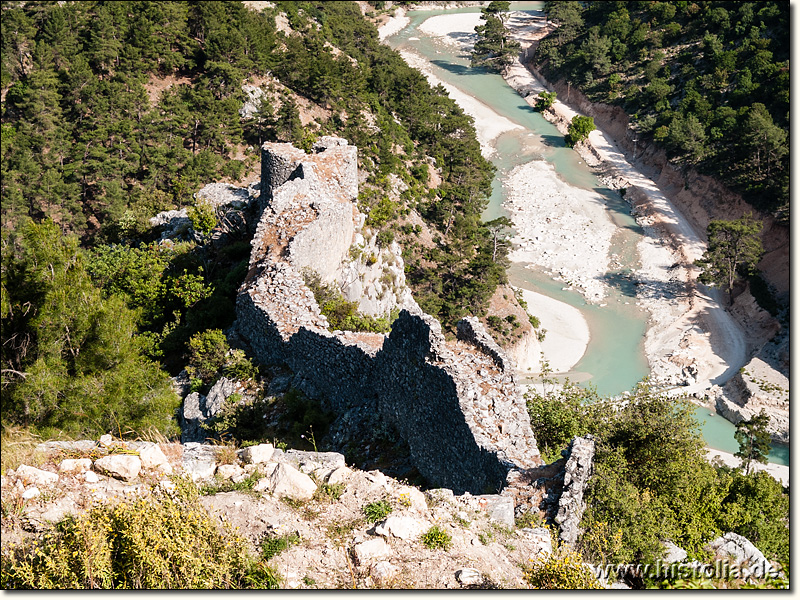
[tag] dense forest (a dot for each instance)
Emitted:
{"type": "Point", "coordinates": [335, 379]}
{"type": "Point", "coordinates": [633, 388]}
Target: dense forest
{"type": "Point", "coordinates": [708, 81]}
{"type": "Point", "coordinates": [114, 111]}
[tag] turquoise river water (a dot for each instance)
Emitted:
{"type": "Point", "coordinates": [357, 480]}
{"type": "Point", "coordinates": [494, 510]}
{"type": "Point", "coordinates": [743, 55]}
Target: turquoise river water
{"type": "Point", "coordinates": [614, 360]}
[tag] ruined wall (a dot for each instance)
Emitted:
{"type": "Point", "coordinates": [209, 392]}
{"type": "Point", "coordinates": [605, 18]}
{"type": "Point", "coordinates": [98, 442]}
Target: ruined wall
{"type": "Point", "coordinates": [455, 403]}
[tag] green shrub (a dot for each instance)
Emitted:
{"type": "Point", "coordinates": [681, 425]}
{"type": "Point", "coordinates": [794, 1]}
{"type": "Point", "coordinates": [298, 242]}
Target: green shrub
{"type": "Point", "coordinates": [579, 129]}
{"type": "Point", "coordinates": [207, 353]}
{"type": "Point", "coordinates": [436, 538]}
{"type": "Point", "coordinates": [165, 541]}
{"type": "Point", "coordinates": [376, 511]}
{"type": "Point", "coordinates": [385, 238]}
{"type": "Point", "coordinates": [203, 217]}
{"type": "Point", "coordinates": [273, 545]}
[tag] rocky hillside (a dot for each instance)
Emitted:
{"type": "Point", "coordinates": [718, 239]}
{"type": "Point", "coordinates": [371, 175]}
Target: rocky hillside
{"type": "Point", "coordinates": [327, 525]}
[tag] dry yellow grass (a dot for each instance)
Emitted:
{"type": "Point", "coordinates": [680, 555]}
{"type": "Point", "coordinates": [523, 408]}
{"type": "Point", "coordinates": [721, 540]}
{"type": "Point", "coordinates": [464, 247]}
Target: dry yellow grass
{"type": "Point", "coordinates": [18, 448]}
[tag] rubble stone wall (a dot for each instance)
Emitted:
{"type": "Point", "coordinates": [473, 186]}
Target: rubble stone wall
{"type": "Point", "coordinates": [456, 404]}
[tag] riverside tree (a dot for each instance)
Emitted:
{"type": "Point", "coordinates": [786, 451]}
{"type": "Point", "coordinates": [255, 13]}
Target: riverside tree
{"type": "Point", "coordinates": [494, 49]}
{"type": "Point", "coordinates": [734, 249]}
{"type": "Point", "coordinates": [579, 129]}
{"type": "Point", "coordinates": [753, 439]}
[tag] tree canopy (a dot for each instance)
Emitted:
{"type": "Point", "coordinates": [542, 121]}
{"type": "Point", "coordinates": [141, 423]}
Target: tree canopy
{"type": "Point", "coordinates": [734, 249]}
{"type": "Point", "coordinates": [494, 47]}
{"type": "Point", "coordinates": [707, 80]}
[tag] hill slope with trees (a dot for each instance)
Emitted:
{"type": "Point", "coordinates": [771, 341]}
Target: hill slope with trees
{"type": "Point", "coordinates": [115, 111]}
{"type": "Point", "coordinates": [708, 81]}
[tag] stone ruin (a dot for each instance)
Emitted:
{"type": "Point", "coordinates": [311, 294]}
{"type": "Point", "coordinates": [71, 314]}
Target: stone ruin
{"type": "Point", "coordinates": [456, 403]}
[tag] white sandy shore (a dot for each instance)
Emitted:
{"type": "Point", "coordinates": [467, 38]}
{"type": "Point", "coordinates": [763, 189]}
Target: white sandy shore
{"type": "Point", "coordinates": [567, 331]}
{"type": "Point", "coordinates": [394, 25]}
{"type": "Point", "coordinates": [455, 29]}
{"type": "Point", "coordinates": [779, 472]}
{"type": "Point", "coordinates": [691, 340]}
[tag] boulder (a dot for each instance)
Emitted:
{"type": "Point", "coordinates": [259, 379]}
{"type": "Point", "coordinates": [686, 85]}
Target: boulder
{"type": "Point", "coordinates": [33, 476]}
{"type": "Point", "coordinates": [229, 471]}
{"type": "Point", "coordinates": [500, 508]}
{"type": "Point", "coordinates": [743, 552]}
{"type": "Point", "coordinates": [674, 554]}
{"type": "Point", "coordinates": [31, 493]}
{"type": "Point", "coordinates": [469, 577]}
{"type": "Point", "coordinates": [119, 466]}
{"type": "Point", "coordinates": [75, 465]}
{"type": "Point", "coordinates": [153, 457]}
{"type": "Point", "coordinates": [200, 470]}
{"type": "Point", "coordinates": [372, 550]}
{"type": "Point", "coordinates": [261, 453]}
{"type": "Point", "coordinates": [405, 528]}
{"type": "Point", "coordinates": [287, 481]}
{"type": "Point", "coordinates": [415, 497]}
{"type": "Point", "coordinates": [339, 475]}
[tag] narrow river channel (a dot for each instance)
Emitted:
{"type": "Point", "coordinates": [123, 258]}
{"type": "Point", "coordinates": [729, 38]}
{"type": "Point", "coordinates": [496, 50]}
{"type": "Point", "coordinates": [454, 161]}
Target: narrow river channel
{"type": "Point", "coordinates": [614, 360]}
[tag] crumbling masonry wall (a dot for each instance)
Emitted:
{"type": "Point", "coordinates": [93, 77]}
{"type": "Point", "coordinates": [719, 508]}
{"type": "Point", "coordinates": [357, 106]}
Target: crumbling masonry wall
{"type": "Point", "coordinates": [456, 403]}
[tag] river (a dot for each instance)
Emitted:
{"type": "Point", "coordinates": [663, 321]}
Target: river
{"type": "Point", "coordinates": [614, 360]}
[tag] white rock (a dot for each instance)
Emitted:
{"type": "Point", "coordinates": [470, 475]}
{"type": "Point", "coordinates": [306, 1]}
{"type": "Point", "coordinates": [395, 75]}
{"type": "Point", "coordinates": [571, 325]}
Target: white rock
{"type": "Point", "coordinates": [339, 475]}
{"type": "Point", "coordinates": [741, 550]}
{"type": "Point", "coordinates": [75, 465]}
{"type": "Point", "coordinates": [229, 471]}
{"type": "Point", "coordinates": [119, 466]}
{"type": "Point", "coordinates": [405, 528]}
{"type": "Point", "coordinates": [469, 577]}
{"type": "Point", "coordinates": [153, 457]}
{"type": "Point", "coordinates": [200, 470]}
{"type": "Point", "coordinates": [31, 493]}
{"type": "Point", "coordinates": [106, 440]}
{"type": "Point", "coordinates": [262, 485]}
{"type": "Point", "coordinates": [417, 498]}
{"type": "Point", "coordinates": [33, 476]}
{"type": "Point", "coordinates": [374, 549]}
{"type": "Point", "coordinates": [261, 453]}
{"type": "Point", "coordinates": [541, 536]}
{"type": "Point", "coordinates": [90, 477]}
{"type": "Point", "coordinates": [285, 480]}
{"type": "Point", "coordinates": [674, 553]}
{"type": "Point", "coordinates": [383, 570]}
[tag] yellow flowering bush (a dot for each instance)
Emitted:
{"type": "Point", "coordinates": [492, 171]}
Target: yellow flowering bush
{"type": "Point", "coordinates": [165, 541]}
{"type": "Point", "coordinates": [561, 570]}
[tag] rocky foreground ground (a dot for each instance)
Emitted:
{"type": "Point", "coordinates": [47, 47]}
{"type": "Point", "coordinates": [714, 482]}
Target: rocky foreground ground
{"type": "Point", "coordinates": [346, 528]}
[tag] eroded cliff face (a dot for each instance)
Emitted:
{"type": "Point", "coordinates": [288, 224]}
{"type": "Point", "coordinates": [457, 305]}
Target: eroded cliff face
{"type": "Point", "coordinates": [698, 197]}
{"type": "Point", "coordinates": [456, 404]}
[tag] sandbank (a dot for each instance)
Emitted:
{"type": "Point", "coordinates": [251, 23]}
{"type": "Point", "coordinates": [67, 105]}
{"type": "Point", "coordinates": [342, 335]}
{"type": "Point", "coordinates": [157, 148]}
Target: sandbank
{"type": "Point", "coordinates": [564, 229]}
{"type": "Point", "coordinates": [395, 24]}
{"type": "Point", "coordinates": [567, 331]}
{"type": "Point", "coordinates": [779, 472]}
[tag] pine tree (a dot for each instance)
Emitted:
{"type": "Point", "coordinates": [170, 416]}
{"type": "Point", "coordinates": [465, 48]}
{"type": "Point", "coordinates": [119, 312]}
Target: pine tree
{"type": "Point", "coordinates": [494, 49]}
{"type": "Point", "coordinates": [753, 439]}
